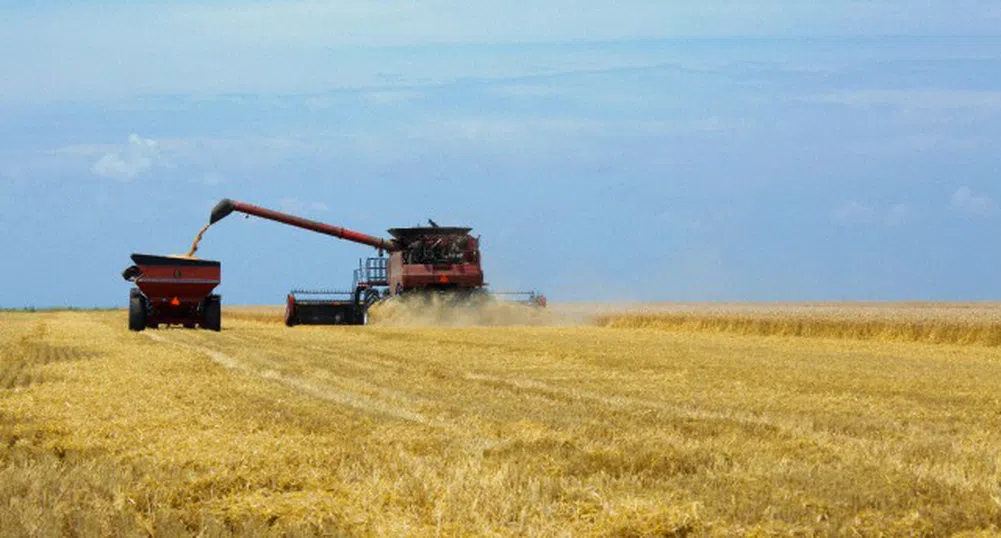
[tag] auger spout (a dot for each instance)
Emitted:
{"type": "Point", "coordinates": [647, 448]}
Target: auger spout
{"type": "Point", "coordinates": [227, 206]}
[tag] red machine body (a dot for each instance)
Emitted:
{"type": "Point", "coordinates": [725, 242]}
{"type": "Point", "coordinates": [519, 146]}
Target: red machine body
{"type": "Point", "coordinates": [434, 258]}
{"type": "Point", "coordinates": [173, 291]}
{"type": "Point", "coordinates": [429, 258]}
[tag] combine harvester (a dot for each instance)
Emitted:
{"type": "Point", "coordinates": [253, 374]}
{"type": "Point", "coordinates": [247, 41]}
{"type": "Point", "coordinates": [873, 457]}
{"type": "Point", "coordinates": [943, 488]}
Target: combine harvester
{"type": "Point", "coordinates": [422, 260]}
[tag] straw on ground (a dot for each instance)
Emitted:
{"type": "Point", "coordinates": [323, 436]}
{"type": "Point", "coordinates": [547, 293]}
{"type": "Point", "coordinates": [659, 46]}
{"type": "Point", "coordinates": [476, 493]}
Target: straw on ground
{"type": "Point", "coordinates": [494, 431]}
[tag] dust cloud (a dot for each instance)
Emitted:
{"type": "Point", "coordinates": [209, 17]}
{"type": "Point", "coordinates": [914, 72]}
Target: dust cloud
{"type": "Point", "coordinates": [443, 311]}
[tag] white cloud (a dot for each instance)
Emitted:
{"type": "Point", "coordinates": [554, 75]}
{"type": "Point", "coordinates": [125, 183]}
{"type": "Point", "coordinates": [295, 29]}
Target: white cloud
{"type": "Point", "coordinates": [290, 205]}
{"type": "Point", "coordinates": [672, 219]}
{"type": "Point", "coordinates": [9, 176]}
{"type": "Point", "coordinates": [381, 97]}
{"type": "Point", "coordinates": [898, 215]}
{"type": "Point", "coordinates": [213, 159]}
{"type": "Point", "coordinates": [923, 99]}
{"type": "Point", "coordinates": [393, 97]}
{"type": "Point", "coordinates": [320, 103]}
{"type": "Point", "coordinates": [964, 200]}
{"type": "Point", "coordinates": [854, 212]}
{"type": "Point", "coordinates": [405, 22]}
{"type": "Point", "coordinates": [500, 129]}
{"type": "Point", "coordinates": [526, 91]}
{"type": "Point", "coordinates": [84, 150]}
{"type": "Point", "coordinates": [296, 206]}
{"type": "Point", "coordinates": [129, 162]}
{"type": "Point", "coordinates": [521, 130]}
{"type": "Point", "coordinates": [300, 46]}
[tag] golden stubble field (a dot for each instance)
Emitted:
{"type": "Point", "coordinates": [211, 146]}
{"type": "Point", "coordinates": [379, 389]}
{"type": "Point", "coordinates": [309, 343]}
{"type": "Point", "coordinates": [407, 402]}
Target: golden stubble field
{"type": "Point", "coordinates": [719, 421]}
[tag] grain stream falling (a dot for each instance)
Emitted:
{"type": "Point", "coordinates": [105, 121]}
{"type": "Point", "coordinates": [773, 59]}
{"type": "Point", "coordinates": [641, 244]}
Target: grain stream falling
{"type": "Point", "coordinates": [196, 242]}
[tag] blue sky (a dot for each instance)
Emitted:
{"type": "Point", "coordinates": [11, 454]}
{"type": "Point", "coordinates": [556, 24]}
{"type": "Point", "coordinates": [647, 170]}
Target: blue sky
{"type": "Point", "coordinates": [632, 150]}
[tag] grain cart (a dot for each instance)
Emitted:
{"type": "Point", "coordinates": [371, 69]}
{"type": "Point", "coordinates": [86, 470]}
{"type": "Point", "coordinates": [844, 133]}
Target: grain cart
{"type": "Point", "coordinates": [173, 291]}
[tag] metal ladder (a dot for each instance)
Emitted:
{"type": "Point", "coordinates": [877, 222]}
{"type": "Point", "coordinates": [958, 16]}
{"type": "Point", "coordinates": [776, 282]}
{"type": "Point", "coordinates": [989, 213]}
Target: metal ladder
{"type": "Point", "coordinates": [372, 271]}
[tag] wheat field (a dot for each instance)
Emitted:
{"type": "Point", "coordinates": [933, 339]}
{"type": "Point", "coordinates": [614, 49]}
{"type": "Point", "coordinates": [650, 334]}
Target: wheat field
{"type": "Point", "coordinates": [811, 420]}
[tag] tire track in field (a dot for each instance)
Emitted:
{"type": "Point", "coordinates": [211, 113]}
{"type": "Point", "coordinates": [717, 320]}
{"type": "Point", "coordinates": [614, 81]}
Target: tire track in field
{"type": "Point", "coordinates": [371, 365]}
{"type": "Point", "coordinates": [464, 432]}
{"type": "Point", "coordinates": [859, 449]}
{"type": "Point", "coordinates": [375, 362]}
{"type": "Point", "coordinates": [563, 396]}
{"type": "Point", "coordinates": [24, 355]}
{"type": "Point", "coordinates": [849, 448]}
{"type": "Point", "coordinates": [347, 399]}
{"type": "Point", "coordinates": [379, 361]}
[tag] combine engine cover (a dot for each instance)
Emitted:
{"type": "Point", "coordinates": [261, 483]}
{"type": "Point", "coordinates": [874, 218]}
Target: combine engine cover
{"type": "Point", "coordinates": [435, 259]}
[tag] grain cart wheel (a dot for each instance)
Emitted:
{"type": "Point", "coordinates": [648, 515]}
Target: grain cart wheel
{"type": "Point", "coordinates": [137, 311]}
{"type": "Point", "coordinates": [212, 312]}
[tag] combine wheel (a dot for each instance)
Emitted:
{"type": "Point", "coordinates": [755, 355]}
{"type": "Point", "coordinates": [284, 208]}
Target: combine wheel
{"type": "Point", "coordinates": [291, 319]}
{"type": "Point", "coordinates": [478, 297]}
{"type": "Point", "coordinates": [212, 312]}
{"type": "Point", "coordinates": [137, 311]}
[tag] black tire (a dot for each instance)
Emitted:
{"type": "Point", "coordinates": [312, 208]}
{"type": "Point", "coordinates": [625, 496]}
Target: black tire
{"type": "Point", "coordinates": [137, 311]}
{"type": "Point", "coordinates": [291, 317]}
{"type": "Point", "coordinates": [212, 313]}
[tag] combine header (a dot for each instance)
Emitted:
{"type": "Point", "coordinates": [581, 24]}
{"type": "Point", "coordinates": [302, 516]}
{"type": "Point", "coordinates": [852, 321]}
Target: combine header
{"type": "Point", "coordinates": [425, 259]}
{"type": "Point", "coordinates": [173, 291]}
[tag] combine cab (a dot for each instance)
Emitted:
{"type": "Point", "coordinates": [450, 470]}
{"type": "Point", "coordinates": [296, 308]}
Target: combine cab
{"type": "Point", "coordinates": [173, 291]}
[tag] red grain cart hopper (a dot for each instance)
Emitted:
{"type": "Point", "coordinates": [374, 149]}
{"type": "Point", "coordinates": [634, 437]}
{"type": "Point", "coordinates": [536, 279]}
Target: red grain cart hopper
{"type": "Point", "coordinates": [173, 291]}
